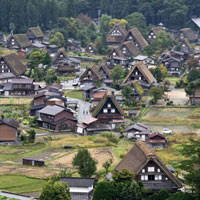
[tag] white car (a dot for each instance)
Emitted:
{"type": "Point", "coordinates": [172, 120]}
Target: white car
{"type": "Point", "coordinates": [166, 131]}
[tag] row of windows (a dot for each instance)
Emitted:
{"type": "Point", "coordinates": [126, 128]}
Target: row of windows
{"type": "Point", "coordinates": [150, 169]}
{"type": "Point", "coordinates": [105, 110]}
{"type": "Point", "coordinates": [152, 178]}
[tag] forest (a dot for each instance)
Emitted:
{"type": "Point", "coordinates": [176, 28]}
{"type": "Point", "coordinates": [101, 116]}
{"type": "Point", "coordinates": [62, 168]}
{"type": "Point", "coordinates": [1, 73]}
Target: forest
{"type": "Point", "coordinates": [28, 13]}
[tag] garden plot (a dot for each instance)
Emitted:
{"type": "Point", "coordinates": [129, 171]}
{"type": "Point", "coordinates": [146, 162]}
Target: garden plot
{"type": "Point", "coordinates": [169, 112]}
{"type": "Point", "coordinates": [99, 154]}
{"type": "Point", "coordinates": [37, 172]}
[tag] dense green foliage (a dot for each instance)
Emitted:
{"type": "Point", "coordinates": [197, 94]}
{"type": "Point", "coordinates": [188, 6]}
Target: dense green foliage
{"type": "Point", "coordinates": [85, 163]}
{"type": "Point", "coordinates": [122, 187]}
{"type": "Point", "coordinates": [55, 190]}
{"type": "Point", "coordinates": [20, 14]}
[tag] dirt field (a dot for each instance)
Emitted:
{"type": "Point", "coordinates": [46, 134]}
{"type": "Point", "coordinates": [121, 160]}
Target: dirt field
{"type": "Point", "coordinates": [178, 96]}
{"type": "Point", "coordinates": [37, 172]}
{"type": "Point", "coordinates": [99, 154]}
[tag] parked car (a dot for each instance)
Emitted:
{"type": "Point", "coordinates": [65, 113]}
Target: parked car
{"type": "Point", "coordinates": [166, 131]}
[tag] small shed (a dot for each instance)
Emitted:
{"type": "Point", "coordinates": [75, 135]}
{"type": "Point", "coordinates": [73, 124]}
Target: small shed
{"type": "Point", "coordinates": [33, 162]}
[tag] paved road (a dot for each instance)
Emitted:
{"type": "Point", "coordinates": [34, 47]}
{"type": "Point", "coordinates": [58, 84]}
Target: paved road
{"type": "Point", "coordinates": [83, 110]}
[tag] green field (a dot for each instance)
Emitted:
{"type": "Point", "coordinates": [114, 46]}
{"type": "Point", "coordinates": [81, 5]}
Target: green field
{"type": "Point", "coordinates": [76, 94]}
{"type": "Point", "coordinates": [20, 184]}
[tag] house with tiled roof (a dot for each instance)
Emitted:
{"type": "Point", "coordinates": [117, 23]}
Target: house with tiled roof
{"type": "Point", "coordinates": [91, 125]}
{"type": "Point", "coordinates": [149, 169]}
{"type": "Point", "coordinates": [189, 34]}
{"type": "Point", "coordinates": [116, 35]}
{"type": "Point", "coordinates": [21, 86]}
{"type": "Point", "coordinates": [153, 33]}
{"type": "Point", "coordinates": [80, 188]}
{"type": "Point", "coordinates": [91, 75]}
{"type": "Point", "coordinates": [109, 110]}
{"type": "Point", "coordinates": [142, 74]}
{"type": "Point", "coordinates": [56, 118]}
{"type": "Point", "coordinates": [35, 34]}
{"type": "Point", "coordinates": [137, 38]}
{"type": "Point", "coordinates": [11, 63]}
{"type": "Point", "coordinates": [9, 131]}
{"type": "Point", "coordinates": [156, 140]}
{"type": "Point", "coordinates": [19, 42]}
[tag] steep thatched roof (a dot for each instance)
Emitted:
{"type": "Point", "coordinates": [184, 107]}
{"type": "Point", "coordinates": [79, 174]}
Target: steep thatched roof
{"type": "Point", "coordinates": [35, 32]}
{"type": "Point", "coordinates": [14, 63]}
{"type": "Point", "coordinates": [94, 71]}
{"type": "Point", "coordinates": [138, 37]}
{"type": "Point", "coordinates": [189, 34]}
{"type": "Point", "coordinates": [22, 40]}
{"type": "Point", "coordinates": [139, 156]}
{"type": "Point", "coordinates": [116, 38]}
{"type": "Point", "coordinates": [134, 51]}
{"type": "Point", "coordinates": [108, 95]}
{"type": "Point", "coordinates": [143, 70]}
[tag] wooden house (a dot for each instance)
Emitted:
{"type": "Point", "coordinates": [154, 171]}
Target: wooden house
{"type": "Point", "coordinates": [99, 93]}
{"type": "Point", "coordinates": [109, 110]}
{"type": "Point", "coordinates": [60, 57]}
{"type": "Point", "coordinates": [116, 35]}
{"type": "Point", "coordinates": [185, 46]}
{"type": "Point", "coordinates": [35, 34]}
{"type": "Point", "coordinates": [189, 34]}
{"type": "Point", "coordinates": [129, 49]}
{"type": "Point", "coordinates": [90, 126]}
{"type": "Point", "coordinates": [149, 169]}
{"type": "Point", "coordinates": [90, 48]}
{"type": "Point", "coordinates": [106, 74]}
{"type": "Point", "coordinates": [156, 140]}
{"type": "Point", "coordinates": [9, 133]}
{"type": "Point", "coordinates": [137, 38]}
{"type": "Point", "coordinates": [195, 97]}
{"type": "Point", "coordinates": [22, 86]}
{"type": "Point", "coordinates": [56, 118]}
{"type": "Point", "coordinates": [6, 77]}
{"type": "Point", "coordinates": [138, 131]}
{"type": "Point", "coordinates": [20, 42]}
{"type": "Point", "coordinates": [11, 63]}
{"type": "Point", "coordinates": [80, 188]}
{"type": "Point", "coordinates": [73, 45]}
{"type": "Point", "coordinates": [137, 90]}
{"type": "Point", "coordinates": [142, 74]}
{"type": "Point", "coordinates": [91, 75]}
{"type": "Point", "coordinates": [64, 64]}
{"type": "Point", "coordinates": [152, 35]}
{"type": "Point", "coordinates": [87, 90]}
{"type": "Point", "coordinates": [148, 61]}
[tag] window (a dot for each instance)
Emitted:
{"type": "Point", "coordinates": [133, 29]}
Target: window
{"type": "Point", "coordinates": [143, 170]}
{"type": "Point", "coordinates": [2, 70]}
{"type": "Point", "coordinates": [89, 72]}
{"type": "Point", "coordinates": [109, 105]}
{"type": "Point", "coordinates": [61, 55]}
{"type": "Point", "coordinates": [166, 178]}
{"type": "Point", "coordinates": [136, 73]}
{"type": "Point", "coordinates": [140, 78]}
{"type": "Point", "coordinates": [151, 177]}
{"type": "Point", "coordinates": [2, 67]}
{"type": "Point", "coordinates": [114, 54]}
{"type": "Point", "coordinates": [151, 169]}
{"type": "Point", "coordinates": [158, 170]}
{"type": "Point", "coordinates": [144, 178]}
{"type": "Point", "coordinates": [130, 38]}
{"type": "Point", "coordinates": [149, 37]}
{"type": "Point", "coordinates": [151, 33]}
{"type": "Point", "coordinates": [154, 37]}
{"type": "Point", "coordinates": [113, 110]}
{"type": "Point", "coordinates": [105, 110]}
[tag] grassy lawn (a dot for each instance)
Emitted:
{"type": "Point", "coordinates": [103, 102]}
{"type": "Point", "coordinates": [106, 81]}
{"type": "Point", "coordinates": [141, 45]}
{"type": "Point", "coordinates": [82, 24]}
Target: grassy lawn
{"type": "Point", "coordinates": [15, 101]}
{"type": "Point", "coordinates": [76, 94]}
{"type": "Point", "coordinates": [172, 80]}
{"type": "Point", "coordinates": [20, 184]}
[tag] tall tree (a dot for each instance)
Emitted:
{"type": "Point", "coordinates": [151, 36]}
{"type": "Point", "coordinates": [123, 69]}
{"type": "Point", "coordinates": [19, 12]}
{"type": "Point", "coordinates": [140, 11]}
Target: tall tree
{"type": "Point", "coordinates": [85, 163]}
